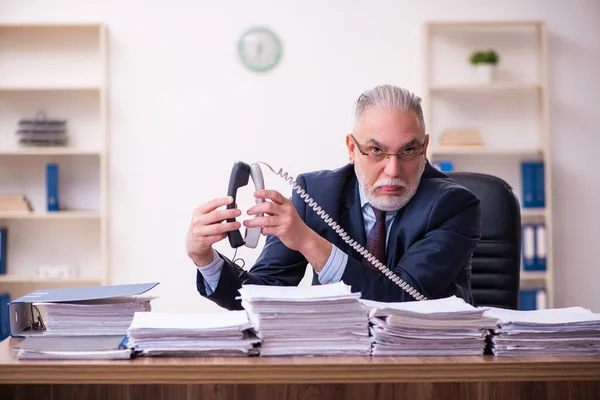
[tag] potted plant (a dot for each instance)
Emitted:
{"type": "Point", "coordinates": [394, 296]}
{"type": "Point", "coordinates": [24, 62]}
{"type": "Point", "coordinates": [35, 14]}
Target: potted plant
{"type": "Point", "coordinates": [484, 63]}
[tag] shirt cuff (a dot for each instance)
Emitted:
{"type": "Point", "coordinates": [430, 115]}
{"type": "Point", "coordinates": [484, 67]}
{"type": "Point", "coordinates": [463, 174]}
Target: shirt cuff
{"type": "Point", "coordinates": [334, 267]}
{"type": "Point", "coordinates": [211, 273]}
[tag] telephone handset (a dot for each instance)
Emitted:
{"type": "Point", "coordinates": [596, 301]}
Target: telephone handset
{"type": "Point", "coordinates": [240, 174]}
{"type": "Point", "coordinates": [239, 177]}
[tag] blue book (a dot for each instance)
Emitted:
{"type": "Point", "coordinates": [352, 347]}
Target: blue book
{"type": "Point", "coordinates": [528, 247]}
{"type": "Point", "coordinates": [527, 300]}
{"type": "Point", "coordinates": [528, 169]}
{"type": "Point", "coordinates": [539, 190]}
{"type": "Point", "coordinates": [445, 166]}
{"type": "Point", "coordinates": [28, 322]}
{"type": "Point", "coordinates": [4, 318]}
{"type": "Point", "coordinates": [52, 199]}
{"type": "Point", "coordinates": [540, 247]}
{"type": "Point", "coordinates": [3, 244]}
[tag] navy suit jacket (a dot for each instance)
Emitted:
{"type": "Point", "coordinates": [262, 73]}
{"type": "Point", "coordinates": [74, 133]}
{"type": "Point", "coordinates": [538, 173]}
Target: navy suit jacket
{"type": "Point", "coordinates": [430, 243]}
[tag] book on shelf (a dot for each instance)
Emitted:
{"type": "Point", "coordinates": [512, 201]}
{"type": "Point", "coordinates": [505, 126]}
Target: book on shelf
{"type": "Point", "coordinates": [460, 137]}
{"type": "Point", "coordinates": [3, 249]}
{"type": "Point", "coordinates": [52, 199]}
{"type": "Point", "coordinates": [534, 245]}
{"type": "Point", "coordinates": [15, 204]}
{"type": "Point", "coordinates": [533, 299]}
{"type": "Point", "coordinates": [533, 184]}
{"type": "Point", "coordinates": [443, 165]}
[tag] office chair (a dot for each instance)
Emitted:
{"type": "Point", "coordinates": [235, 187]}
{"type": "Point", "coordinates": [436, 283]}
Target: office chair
{"type": "Point", "coordinates": [497, 258]}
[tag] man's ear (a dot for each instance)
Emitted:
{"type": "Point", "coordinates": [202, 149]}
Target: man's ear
{"type": "Point", "coordinates": [426, 145]}
{"type": "Point", "coordinates": [351, 148]}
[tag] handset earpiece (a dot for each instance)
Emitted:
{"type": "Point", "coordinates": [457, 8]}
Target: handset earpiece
{"type": "Point", "coordinates": [238, 178]}
{"type": "Point", "coordinates": [253, 234]}
{"type": "Point", "coordinates": [240, 173]}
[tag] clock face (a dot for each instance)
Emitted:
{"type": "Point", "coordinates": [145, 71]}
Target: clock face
{"type": "Point", "coordinates": [259, 49]}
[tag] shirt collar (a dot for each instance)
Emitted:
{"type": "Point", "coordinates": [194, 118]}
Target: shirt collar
{"type": "Point", "coordinates": [363, 199]}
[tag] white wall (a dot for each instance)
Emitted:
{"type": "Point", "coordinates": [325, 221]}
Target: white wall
{"type": "Point", "coordinates": [183, 110]}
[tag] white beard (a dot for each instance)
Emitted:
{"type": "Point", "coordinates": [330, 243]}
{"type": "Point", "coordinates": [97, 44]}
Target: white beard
{"type": "Point", "coordinates": [388, 203]}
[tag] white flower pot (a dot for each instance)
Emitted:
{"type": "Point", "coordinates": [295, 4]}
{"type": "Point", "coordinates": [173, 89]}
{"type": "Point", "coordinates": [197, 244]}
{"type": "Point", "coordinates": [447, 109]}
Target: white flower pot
{"type": "Point", "coordinates": [484, 73]}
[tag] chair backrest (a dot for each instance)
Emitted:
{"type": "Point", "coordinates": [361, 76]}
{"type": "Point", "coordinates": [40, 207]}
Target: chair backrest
{"type": "Point", "coordinates": [497, 257]}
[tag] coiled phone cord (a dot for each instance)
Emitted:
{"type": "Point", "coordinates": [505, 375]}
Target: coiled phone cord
{"type": "Point", "coordinates": [340, 231]}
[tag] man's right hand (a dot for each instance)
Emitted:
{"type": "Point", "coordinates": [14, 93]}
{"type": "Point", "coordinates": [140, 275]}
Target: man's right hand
{"type": "Point", "coordinates": [209, 226]}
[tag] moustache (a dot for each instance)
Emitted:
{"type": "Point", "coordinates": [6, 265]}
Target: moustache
{"type": "Point", "coordinates": [391, 182]}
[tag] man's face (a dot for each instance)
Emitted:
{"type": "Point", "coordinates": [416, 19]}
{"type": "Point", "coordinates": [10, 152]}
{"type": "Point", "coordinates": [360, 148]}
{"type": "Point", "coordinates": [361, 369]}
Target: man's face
{"type": "Point", "coordinates": [388, 182]}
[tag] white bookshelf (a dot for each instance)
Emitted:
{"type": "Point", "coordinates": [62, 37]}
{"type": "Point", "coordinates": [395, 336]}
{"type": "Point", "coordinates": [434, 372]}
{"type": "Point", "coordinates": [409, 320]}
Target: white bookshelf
{"type": "Point", "coordinates": [62, 70]}
{"type": "Point", "coordinates": [511, 112]}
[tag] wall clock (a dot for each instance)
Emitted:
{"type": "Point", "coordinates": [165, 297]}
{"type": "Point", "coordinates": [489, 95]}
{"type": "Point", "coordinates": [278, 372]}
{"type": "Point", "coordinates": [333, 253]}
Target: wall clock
{"type": "Point", "coordinates": [259, 49]}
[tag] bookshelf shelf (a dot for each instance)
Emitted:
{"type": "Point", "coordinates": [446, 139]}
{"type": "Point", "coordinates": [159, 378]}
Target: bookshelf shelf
{"type": "Point", "coordinates": [52, 215]}
{"type": "Point", "coordinates": [532, 213]}
{"type": "Point", "coordinates": [76, 88]}
{"type": "Point", "coordinates": [53, 281]}
{"type": "Point", "coordinates": [482, 150]}
{"type": "Point", "coordinates": [532, 280]}
{"type": "Point", "coordinates": [62, 71]}
{"type": "Point", "coordinates": [507, 112]}
{"type": "Point", "coordinates": [50, 151]}
{"type": "Point", "coordinates": [13, 26]}
{"type": "Point", "coordinates": [493, 87]}
{"type": "Point", "coordinates": [491, 24]}
{"type": "Point", "coordinates": [533, 275]}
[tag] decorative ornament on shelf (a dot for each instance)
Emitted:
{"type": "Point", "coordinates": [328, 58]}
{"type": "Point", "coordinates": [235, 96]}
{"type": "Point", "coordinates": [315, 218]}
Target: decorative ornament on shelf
{"type": "Point", "coordinates": [42, 131]}
{"type": "Point", "coordinates": [484, 64]}
{"type": "Point", "coordinates": [259, 49]}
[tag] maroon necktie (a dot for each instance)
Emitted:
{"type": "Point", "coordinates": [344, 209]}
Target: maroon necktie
{"type": "Point", "coordinates": [376, 240]}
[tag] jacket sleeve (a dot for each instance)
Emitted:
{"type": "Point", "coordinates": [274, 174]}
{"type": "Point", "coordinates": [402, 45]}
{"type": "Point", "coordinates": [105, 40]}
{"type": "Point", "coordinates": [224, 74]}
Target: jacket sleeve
{"type": "Point", "coordinates": [276, 265]}
{"type": "Point", "coordinates": [432, 263]}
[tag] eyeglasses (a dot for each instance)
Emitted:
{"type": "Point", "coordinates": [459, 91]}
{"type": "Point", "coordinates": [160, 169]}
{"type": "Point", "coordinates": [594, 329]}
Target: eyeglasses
{"type": "Point", "coordinates": [377, 154]}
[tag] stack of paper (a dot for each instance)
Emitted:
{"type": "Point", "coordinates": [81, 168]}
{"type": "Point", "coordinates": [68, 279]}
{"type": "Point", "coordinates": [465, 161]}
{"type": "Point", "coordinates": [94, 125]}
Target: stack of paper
{"type": "Point", "coordinates": [72, 348]}
{"type": "Point", "coordinates": [448, 326]}
{"type": "Point", "coordinates": [314, 320]}
{"type": "Point", "coordinates": [110, 316]}
{"type": "Point", "coordinates": [216, 334]}
{"type": "Point", "coordinates": [557, 331]}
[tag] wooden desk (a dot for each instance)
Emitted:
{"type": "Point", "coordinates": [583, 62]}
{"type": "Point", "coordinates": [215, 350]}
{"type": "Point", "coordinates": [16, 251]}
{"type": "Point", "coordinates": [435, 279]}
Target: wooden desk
{"type": "Point", "coordinates": [472, 377]}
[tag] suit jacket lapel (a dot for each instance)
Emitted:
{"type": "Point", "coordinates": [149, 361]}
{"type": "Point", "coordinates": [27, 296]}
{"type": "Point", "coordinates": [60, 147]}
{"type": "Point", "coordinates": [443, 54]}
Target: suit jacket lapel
{"type": "Point", "coordinates": [351, 218]}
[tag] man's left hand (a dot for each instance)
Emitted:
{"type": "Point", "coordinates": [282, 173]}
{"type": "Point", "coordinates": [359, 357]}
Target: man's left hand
{"type": "Point", "coordinates": [281, 219]}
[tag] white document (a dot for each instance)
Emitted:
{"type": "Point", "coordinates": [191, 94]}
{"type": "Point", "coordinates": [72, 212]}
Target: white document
{"type": "Point", "coordinates": [237, 320]}
{"type": "Point", "coordinates": [314, 320]}
{"type": "Point", "coordinates": [219, 333]}
{"type": "Point", "coordinates": [553, 316]}
{"type": "Point", "coordinates": [569, 331]}
{"type": "Point", "coordinates": [446, 305]}
{"type": "Point", "coordinates": [334, 291]}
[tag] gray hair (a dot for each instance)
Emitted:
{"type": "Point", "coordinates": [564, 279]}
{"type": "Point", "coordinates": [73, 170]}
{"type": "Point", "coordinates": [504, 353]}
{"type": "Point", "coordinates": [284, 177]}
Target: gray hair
{"type": "Point", "coordinates": [391, 98]}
